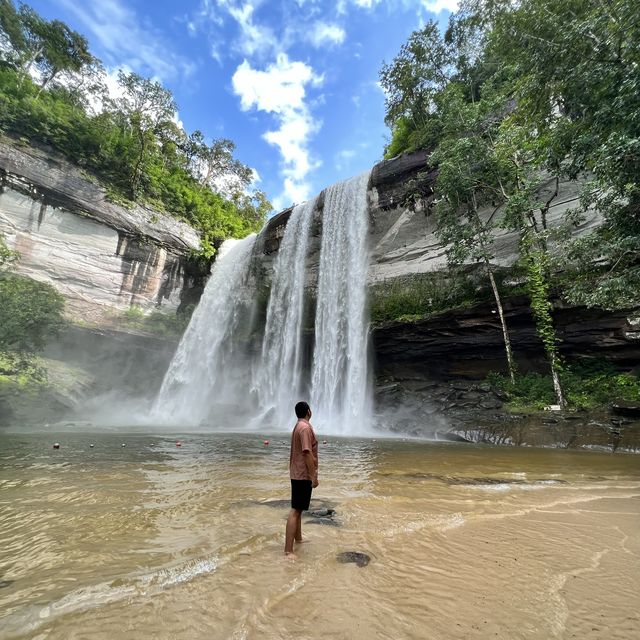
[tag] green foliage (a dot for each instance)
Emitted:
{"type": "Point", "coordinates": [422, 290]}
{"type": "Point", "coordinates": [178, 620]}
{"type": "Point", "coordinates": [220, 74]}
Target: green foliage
{"type": "Point", "coordinates": [21, 369]}
{"type": "Point", "coordinates": [133, 143]}
{"type": "Point", "coordinates": [517, 93]}
{"type": "Point", "coordinates": [7, 256]}
{"type": "Point", "coordinates": [30, 313]}
{"type": "Point", "coordinates": [157, 322]}
{"type": "Point", "coordinates": [537, 267]}
{"type": "Point", "coordinates": [418, 296]}
{"type": "Point", "coordinates": [587, 385]}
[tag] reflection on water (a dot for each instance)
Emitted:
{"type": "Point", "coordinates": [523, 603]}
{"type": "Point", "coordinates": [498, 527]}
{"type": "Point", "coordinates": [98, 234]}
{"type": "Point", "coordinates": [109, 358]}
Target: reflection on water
{"type": "Point", "coordinates": [151, 540]}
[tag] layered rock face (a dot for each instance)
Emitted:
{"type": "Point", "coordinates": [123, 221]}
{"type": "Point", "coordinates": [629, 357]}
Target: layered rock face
{"type": "Point", "coordinates": [467, 343]}
{"type": "Point", "coordinates": [102, 257]}
{"type": "Point", "coordinates": [403, 241]}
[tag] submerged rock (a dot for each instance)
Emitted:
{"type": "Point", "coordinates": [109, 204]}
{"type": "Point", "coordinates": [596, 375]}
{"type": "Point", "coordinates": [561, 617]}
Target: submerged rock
{"type": "Point", "coordinates": [322, 517]}
{"type": "Point", "coordinates": [358, 558]}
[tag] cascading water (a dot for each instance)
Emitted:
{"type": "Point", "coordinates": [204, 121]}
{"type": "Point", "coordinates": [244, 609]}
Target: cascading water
{"type": "Point", "coordinates": [200, 375]}
{"type": "Point", "coordinates": [340, 379]}
{"type": "Point", "coordinates": [278, 376]}
{"type": "Point", "coordinates": [211, 367]}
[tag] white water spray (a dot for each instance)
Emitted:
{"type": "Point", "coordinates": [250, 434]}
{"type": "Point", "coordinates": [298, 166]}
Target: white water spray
{"type": "Point", "coordinates": [200, 374]}
{"type": "Point", "coordinates": [340, 380]}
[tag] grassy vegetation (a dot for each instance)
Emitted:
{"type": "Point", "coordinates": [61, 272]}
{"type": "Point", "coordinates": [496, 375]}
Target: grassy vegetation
{"type": "Point", "coordinates": [587, 385]}
{"type": "Point", "coordinates": [410, 298]}
{"type": "Point", "coordinates": [157, 322]}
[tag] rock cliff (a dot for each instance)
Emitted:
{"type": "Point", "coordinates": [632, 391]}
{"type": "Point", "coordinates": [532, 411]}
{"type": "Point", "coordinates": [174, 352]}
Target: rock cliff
{"type": "Point", "coordinates": [429, 372]}
{"type": "Point", "coordinates": [101, 256]}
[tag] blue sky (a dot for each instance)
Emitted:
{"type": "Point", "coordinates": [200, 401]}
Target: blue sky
{"type": "Point", "coordinates": [292, 82]}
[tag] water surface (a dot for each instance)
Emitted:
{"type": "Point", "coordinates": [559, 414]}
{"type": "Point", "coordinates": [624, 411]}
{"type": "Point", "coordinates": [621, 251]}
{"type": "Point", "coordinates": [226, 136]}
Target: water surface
{"type": "Point", "coordinates": [151, 540]}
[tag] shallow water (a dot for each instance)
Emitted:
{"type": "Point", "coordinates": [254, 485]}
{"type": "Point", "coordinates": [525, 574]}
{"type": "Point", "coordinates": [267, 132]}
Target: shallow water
{"type": "Point", "coordinates": [155, 541]}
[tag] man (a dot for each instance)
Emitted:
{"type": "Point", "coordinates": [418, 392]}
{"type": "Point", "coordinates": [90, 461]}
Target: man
{"type": "Point", "coordinates": [303, 471]}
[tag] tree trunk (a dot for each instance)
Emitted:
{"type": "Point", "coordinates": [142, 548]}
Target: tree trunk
{"type": "Point", "coordinates": [45, 82]}
{"type": "Point", "coordinates": [27, 66]}
{"type": "Point", "coordinates": [505, 332]}
{"type": "Point", "coordinates": [135, 175]}
{"type": "Point", "coordinates": [557, 387]}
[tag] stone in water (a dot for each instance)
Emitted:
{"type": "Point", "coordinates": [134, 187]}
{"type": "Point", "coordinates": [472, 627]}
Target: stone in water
{"type": "Point", "coordinates": [360, 559]}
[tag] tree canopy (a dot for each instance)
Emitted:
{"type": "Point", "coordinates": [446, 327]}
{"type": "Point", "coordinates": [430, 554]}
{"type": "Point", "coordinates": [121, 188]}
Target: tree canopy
{"type": "Point", "coordinates": [513, 95]}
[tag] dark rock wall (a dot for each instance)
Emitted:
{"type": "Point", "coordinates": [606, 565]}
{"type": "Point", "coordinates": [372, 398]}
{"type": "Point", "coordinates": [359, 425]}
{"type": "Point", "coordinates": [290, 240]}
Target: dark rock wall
{"type": "Point", "coordinates": [468, 343]}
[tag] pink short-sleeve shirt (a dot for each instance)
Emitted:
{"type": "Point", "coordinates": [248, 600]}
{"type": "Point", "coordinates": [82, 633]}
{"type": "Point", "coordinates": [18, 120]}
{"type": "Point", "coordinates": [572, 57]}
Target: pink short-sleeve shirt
{"type": "Point", "coordinates": [303, 439]}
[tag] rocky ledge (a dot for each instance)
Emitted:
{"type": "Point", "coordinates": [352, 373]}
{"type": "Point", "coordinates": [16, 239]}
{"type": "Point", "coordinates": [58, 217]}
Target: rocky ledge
{"type": "Point", "coordinates": [431, 372]}
{"type": "Point", "coordinates": [52, 180]}
{"type": "Point", "coordinates": [467, 343]}
{"type": "Point", "coordinates": [473, 411]}
{"type": "Point", "coordinates": [101, 256]}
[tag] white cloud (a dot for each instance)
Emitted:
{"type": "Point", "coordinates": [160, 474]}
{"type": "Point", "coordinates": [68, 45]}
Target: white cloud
{"type": "Point", "coordinates": [343, 158]}
{"type": "Point", "coordinates": [254, 39]}
{"type": "Point", "coordinates": [324, 33]}
{"type": "Point", "coordinates": [116, 27]}
{"type": "Point", "coordinates": [438, 6]}
{"type": "Point", "coordinates": [433, 6]}
{"type": "Point", "coordinates": [281, 91]}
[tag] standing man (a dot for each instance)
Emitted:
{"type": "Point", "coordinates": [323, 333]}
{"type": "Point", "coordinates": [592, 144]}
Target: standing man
{"type": "Point", "coordinates": [303, 471]}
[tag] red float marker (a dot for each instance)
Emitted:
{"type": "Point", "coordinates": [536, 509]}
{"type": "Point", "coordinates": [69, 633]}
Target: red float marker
{"type": "Point", "coordinates": [266, 443]}
{"type": "Point", "coordinates": [178, 444]}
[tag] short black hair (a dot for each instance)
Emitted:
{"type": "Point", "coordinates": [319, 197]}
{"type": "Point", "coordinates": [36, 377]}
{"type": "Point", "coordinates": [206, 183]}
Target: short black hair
{"type": "Point", "coordinates": [302, 408]}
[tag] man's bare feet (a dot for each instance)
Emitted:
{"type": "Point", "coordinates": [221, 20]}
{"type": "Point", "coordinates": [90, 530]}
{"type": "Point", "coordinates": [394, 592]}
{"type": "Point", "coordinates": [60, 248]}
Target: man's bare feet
{"type": "Point", "coordinates": [302, 540]}
{"type": "Point", "coordinates": [289, 555]}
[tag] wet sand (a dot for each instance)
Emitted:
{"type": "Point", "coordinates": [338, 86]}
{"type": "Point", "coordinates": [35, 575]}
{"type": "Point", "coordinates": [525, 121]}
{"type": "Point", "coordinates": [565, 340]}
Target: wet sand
{"type": "Point", "coordinates": [155, 541]}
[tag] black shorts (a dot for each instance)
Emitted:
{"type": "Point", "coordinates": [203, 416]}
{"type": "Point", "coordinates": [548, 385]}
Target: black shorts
{"type": "Point", "coordinates": [300, 494]}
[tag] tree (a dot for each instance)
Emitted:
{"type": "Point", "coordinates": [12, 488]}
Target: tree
{"type": "Point", "coordinates": [146, 109]}
{"type": "Point", "coordinates": [12, 40]}
{"type": "Point", "coordinates": [63, 50]}
{"type": "Point", "coordinates": [525, 213]}
{"type": "Point", "coordinates": [579, 89]}
{"type": "Point", "coordinates": [470, 177]}
{"type": "Point", "coordinates": [416, 75]}
{"type": "Point", "coordinates": [215, 165]}
{"type": "Point", "coordinates": [30, 311]}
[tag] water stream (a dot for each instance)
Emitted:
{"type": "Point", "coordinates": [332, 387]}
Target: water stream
{"type": "Point", "coordinates": [340, 385]}
{"type": "Point", "coordinates": [278, 376]}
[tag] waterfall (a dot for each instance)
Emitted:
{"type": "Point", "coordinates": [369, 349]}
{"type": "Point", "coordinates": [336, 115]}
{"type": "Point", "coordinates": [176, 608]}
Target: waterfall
{"type": "Point", "coordinates": [213, 369]}
{"type": "Point", "coordinates": [278, 376]}
{"type": "Point", "coordinates": [201, 374]}
{"type": "Point", "coordinates": [340, 378]}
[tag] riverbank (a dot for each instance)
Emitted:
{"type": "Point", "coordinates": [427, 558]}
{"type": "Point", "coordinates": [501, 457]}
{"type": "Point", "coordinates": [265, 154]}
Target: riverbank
{"type": "Point", "coordinates": [478, 412]}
